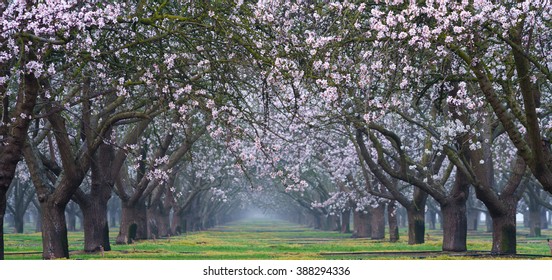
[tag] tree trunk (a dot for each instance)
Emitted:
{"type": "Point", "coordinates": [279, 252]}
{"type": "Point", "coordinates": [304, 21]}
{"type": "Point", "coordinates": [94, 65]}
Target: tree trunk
{"type": "Point", "coordinates": [96, 227]}
{"type": "Point", "coordinates": [54, 230]}
{"type": "Point", "coordinates": [526, 218]}
{"type": "Point", "coordinates": [455, 226]}
{"type": "Point", "coordinates": [38, 221]}
{"type": "Point", "coordinates": [393, 223]}
{"type": "Point", "coordinates": [346, 221]}
{"type": "Point", "coordinates": [333, 223]}
{"type": "Point", "coordinates": [71, 220]}
{"type": "Point", "coordinates": [416, 226]}
{"type": "Point", "coordinates": [488, 222]}
{"type": "Point", "coordinates": [178, 225]}
{"type": "Point", "coordinates": [377, 222]}
{"type": "Point", "coordinates": [133, 223]}
{"type": "Point", "coordinates": [3, 192]}
{"type": "Point", "coordinates": [544, 221]}
{"type": "Point", "coordinates": [453, 211]}
{"type": "Point", "coordinates": [535, 221]}
{"type": "Point", "coordinates": [504, 231]}
{"type": "Point", "coordinates": [432, 219]}
{"type": "Point", "coordinates": [362, 224]}
{"type": "Point", "coordinates": [19, 221]}
{"type": "Point", "coordinates": [473, 219]}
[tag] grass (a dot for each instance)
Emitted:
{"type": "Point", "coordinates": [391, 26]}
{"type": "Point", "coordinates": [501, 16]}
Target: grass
{"type": "Point", "coordinates": [269, 239]}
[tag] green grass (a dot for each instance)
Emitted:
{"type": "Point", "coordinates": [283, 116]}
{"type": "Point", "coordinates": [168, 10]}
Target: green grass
{"type": "Point", "coordinates": [267, 239]}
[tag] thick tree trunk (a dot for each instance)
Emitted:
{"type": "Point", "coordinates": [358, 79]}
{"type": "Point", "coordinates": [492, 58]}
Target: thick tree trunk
{"type": "Point", "coordinates": [377, 222]}
{"type": "Point", "coordinates": [158, 222]}
{"type": "Point", "coordinates": [362, 224]}
{"type": "Point", "coordinates": [346, 221]}
{"type": "Point", "coordinates": [96, 228]}
{"type": "Point", "coordinates": [3, 192]}
{"type": "Point", "coordinates": [178, 225]}
{"type": "Point", "coordinates": [416, 226]}
{"type": "Point", "coordinates": [164, 223]}
{"type": "Point", "coordinates": [453, 211]}
{"type": "Point", "coordinates": [504, 231]}
{"type": "Point", "coordinates": [392, 220]}
{"type": "Point", "coordinates": [333, 223]}
{"type": "Point", "coordinates": [133, 223]}
{"type": "Point", "coordinates": [504, 235]}
{"type": "Point", "coordinates": [455, 226]}
{"type": "Point", "coordinates": [54, 231]}
{"type": "Point", "coordinates": [95, 204]}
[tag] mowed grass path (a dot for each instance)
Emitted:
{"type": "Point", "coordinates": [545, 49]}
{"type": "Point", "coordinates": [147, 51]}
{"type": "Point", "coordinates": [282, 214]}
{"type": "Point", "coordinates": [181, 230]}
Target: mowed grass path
{"type": "Point", "coordinates": [269, 239]}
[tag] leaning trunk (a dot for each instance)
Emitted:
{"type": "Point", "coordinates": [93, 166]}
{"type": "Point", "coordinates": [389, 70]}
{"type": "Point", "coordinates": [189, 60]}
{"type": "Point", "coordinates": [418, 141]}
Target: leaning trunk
{"type": "Point", "coordinates": [133, 223]}
{"type": "Point", "coordinates": [416, 226]}
{"type": "Point", "coordinates": [96, 228]}
{"type": "Point", "coordinates": [54, 231]}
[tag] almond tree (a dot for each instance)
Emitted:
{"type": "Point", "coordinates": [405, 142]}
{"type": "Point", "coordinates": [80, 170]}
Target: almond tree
{"type": "Point", "coordinates": [32, 33]}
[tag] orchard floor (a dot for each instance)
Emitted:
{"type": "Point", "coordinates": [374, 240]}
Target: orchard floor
{"type": "Point", "coordinates": [274, 239]}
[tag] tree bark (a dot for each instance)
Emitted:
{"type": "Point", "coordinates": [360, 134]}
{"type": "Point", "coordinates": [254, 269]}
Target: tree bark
{"type": "Point", "coordinates": [3, 192]}
{"type": "Point", "coordinates": [362, 224]}
{"type": "Point", "coordinates": [416, 226]}
{"type": "Point", "coordinates": [543, 220]}
{"type": "Point", "coordinates": [504, 231]}
{"type": "Point", "coordinates": [13, 136]}
{"type": "Point", "coordinates": [473, 219]}
{"type": "Point", "coordinates": [535, 220]}
{"type": "Point", "coordinates": [455, 226]}
{"type": "Point", "coordinates": [96, 228]}
{"type": "Point", "coordinates": [393, 222]}
{"type": "Point", "coordinates": [71, 218]}
{"type": "Point", "coordinates": [346, 221]}
{"type": "Point", "coordinates": [94, 205]}
{"type": "Point", "coordinates": [377, 222]}
{"type": "Point", "coordinates": [455, 223]}
{"type": "Point", "coordinates": [133, 223]}
{"type": "Point", "coordinates": [488, 222]}
{"type": "Point", "coordinates": [54, 230]}
{"type": "Point", "coordinates": [19, 221]}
